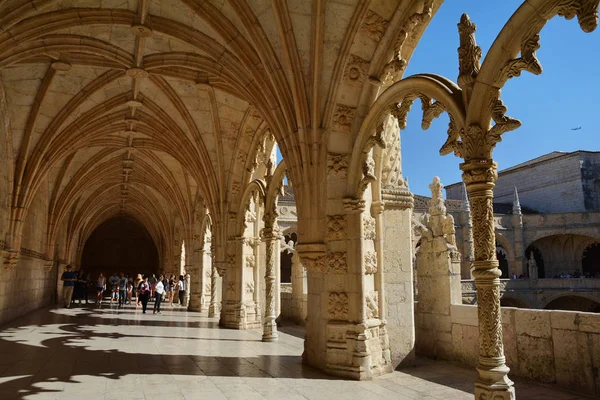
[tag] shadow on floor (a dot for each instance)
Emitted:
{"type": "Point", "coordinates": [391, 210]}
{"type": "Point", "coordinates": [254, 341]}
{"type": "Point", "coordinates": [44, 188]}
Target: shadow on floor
{"type": "Point", "coordinates": [32, 368]}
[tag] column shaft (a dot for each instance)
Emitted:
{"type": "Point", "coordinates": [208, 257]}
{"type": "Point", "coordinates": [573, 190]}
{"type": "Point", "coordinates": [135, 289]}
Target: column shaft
{"type": "Point", "coordinates": [493, 381]}
{"type": "Point", "coordinates": [269, 324]}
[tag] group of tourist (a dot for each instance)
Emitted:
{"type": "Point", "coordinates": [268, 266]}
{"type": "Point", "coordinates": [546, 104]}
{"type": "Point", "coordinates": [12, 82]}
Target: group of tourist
{"type": "Point", "coordinates": [123, 289]}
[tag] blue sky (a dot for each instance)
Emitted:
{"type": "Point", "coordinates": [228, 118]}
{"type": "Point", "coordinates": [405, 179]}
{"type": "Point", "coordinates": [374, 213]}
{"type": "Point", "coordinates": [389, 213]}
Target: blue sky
{"type": "Point", "coordinates": [564, 96]}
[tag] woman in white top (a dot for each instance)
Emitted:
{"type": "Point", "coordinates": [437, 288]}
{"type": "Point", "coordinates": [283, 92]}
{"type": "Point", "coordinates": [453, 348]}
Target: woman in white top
{"type": "Point", "coordinates": [100, 286]}
{"type": "Point", "coordinates": [159, 289]}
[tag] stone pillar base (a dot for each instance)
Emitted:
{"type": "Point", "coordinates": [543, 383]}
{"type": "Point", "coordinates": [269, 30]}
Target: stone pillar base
{"type": "Point", "coordinates": [490, 392]}
{"type": "Point", "coordinates": [270, 332]}
{"type": "Point", "coordinates": [240, 316]}
{"type": "Point", "coordinates": [213, 310]}
{"type": "Point", "coordinates": [353, 351]}
{"type": "Point", "coordinates": [195, 302]}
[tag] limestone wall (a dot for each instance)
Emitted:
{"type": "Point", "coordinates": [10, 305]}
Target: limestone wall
{"type": "Point", "coordinates": [29, 286]}
{"type": "Point", "coordinates": [561, 347]}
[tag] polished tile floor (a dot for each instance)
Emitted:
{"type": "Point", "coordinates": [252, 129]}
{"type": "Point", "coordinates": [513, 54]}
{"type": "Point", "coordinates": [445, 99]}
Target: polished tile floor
{"type": "Point", "coordinates": [90, 353]}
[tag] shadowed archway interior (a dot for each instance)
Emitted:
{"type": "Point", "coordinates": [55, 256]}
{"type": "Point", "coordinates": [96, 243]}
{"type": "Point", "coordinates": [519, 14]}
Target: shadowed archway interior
{"type": "Point", "coordinates": [120, 244]}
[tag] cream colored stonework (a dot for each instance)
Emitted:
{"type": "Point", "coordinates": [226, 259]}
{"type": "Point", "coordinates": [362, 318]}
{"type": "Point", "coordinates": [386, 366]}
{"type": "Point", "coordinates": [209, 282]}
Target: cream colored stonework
{"type": "Point", "coordinates": [170, 112]}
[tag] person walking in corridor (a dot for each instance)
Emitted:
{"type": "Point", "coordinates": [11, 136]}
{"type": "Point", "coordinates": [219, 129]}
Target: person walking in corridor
{"type": "Point", "coordinates": [68, 277]}
{"type": "Point", "coordinates": [144, 293]}
{"type": "Point", "coordinates": [181, 286]}
{"type": "Point", "coordinates": [122, 290]}
{"type": "Point", "coordinates": [100, 287]}
{"type": "Point", "coordinates": [159, 290]}
{"type": "Point", "coordinates": [171, 289]}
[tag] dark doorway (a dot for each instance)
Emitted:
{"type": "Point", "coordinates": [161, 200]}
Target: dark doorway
{"type": "Point", "coordinates": [120, 245]}
{"type": "Point", "coordinates": [286, 260]}
{"type": "Point", "coordinates": [591, 261]}
{"type": "Point", "coordinates": [503, 262]}
{"type": "Point", "coordinates": [539, 261]}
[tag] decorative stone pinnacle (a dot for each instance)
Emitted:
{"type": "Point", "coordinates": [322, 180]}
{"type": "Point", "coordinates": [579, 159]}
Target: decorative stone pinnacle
{"type": "Point", "coordinates": [437, 205]}
{"type": "Point", "coordinates": [466, 204]}
{"type": "Point", "coordinates": [516, 203]}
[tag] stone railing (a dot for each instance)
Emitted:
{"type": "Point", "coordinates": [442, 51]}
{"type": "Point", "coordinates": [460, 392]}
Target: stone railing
{"type": "Point", "coordinates": [561, 347]}
{"type": "Point", "coordinates": [536, 293]}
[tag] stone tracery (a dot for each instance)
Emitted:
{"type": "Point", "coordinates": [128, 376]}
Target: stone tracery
{"type": "Point", "coordinates": [180, 136]}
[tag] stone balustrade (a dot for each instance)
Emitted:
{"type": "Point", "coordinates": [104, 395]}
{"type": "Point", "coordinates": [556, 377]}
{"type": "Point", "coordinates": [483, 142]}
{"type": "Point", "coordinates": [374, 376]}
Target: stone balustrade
{"type": "Point", "coordinates": [550, 346]}
{"type": "Point", "coordinates": [537, 293]}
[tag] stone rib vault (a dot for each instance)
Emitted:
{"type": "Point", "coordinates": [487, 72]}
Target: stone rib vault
{"type": "Point", "coordinates": [169, 112]}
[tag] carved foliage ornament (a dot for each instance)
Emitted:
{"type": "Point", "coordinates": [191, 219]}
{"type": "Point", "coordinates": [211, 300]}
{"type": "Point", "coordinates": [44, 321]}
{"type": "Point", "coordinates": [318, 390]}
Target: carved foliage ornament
{"type": "Point", "coordinates": [587, 15]}
{"type": "Point", "coordinates": [370, 263]}
{"type": "Point", "coordinates": [372, 302]}
{"type": "Point", "coordinates": [374, 26]}
{"type": "Point", "coordinates": [356, 70]}
{"type": "Point", "coordinates": [343, 117]}
{"type": "Point", "coordinates": [337, 165]}
{"type": "Point", "coordinates": [338, 306]}
{"type": "Point", "coordinates": [336, 263]}
{"type": "Point", "coordinates": [336, 227]}
{"type": "Point", "coordinates": [369, 227]}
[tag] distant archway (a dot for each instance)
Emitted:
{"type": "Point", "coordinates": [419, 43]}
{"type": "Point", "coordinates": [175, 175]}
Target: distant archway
{"type": "Point", "coordinates": [512, 302]}
{"type": "Point", "coordinates": [120, 244]}
{"type": "Point", "coordinates": [502, 257]}
{"type": "Point", "coordinates": [539, 260]}
{"type": "Point", "coordinates": [590, 261]}
{"type": "Point", "coordinates": [286, 259]}
{"type": "Point", "coordinates": [574, 303]}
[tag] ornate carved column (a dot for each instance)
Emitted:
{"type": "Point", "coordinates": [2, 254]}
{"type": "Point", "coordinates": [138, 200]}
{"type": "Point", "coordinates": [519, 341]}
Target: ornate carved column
{"type": "Point", "coordinates": [186, 300]}
{"type": "Point", "coordinates": [213, 307]}
{"type": "Point", "coordinates": [479, 176]}
{"type": "Point", "coordinates": [269, 324]}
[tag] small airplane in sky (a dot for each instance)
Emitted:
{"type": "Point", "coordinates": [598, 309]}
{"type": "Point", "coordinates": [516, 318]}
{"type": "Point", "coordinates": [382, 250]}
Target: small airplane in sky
{"type": "Point", "coordinates": [576, 129]}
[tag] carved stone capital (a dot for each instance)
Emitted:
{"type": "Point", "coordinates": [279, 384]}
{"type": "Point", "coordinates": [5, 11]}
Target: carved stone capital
{"type": "Point", "coordinates": [313, 255]}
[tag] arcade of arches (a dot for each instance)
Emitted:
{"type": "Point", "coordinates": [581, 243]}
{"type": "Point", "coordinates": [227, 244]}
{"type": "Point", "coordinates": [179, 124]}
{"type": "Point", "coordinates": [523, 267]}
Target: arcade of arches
{"type": "Point", "coordinates": [169, 113]}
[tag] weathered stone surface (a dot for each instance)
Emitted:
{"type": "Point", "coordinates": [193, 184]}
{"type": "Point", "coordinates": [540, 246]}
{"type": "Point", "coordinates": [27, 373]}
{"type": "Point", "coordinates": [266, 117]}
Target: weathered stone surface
{"type": "Point", "coordinates": [534, 323]}
{"type": "Point", "coordinates": [536, 358]}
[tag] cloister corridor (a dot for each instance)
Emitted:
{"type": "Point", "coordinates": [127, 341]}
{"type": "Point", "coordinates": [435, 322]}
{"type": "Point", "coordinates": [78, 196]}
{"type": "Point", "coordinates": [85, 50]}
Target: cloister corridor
{"type": "Point", "coordinates": [91, 353]}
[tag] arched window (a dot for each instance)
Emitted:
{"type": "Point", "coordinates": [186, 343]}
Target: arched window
{"type": "Point", "coordinates": [502, 257]}
{"type": "Point", "coordinates": [590, 262]}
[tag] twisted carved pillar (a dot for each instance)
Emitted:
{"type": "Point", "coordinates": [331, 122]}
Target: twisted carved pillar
{"type": "Point", "coordinates": [269, 324]}
{"type": "Point", "coordinates": [213, 307]}
{"type": "Point", "coordinates": [493, 383]}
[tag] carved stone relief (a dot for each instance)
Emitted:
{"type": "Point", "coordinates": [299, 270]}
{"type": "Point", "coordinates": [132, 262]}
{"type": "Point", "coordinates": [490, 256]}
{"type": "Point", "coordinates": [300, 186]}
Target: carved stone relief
{"type": "Point", "coordinates": [336, 227]}
{"type": "Point", "coordinates": [369, 227]}
{"type": "Point", "coordinates": [249, 288]}
{"type": "Point", "coordinates": [374, 26]}
{"type": "Point", "coordinates": [343, 117]}
{"type": "Point", "coordinates": [337, 165]}
{"type": "Point", "coordinates": [370, 260]}
{"type": "Point", "coordinates": [372, 302]}
{"type": "Point", "coordinates": [250, 261]}
{"type": "Point", "coordinates": [337, 263]}
{"type": "Point", "coordinates": [356, 70]}
{"type": "Point", "coordinates": [338, 306]}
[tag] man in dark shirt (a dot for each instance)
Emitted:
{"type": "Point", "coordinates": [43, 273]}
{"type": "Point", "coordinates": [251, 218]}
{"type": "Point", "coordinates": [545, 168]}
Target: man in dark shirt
{"type": "Point", "coordinates": [122, 289]}
{"type": "Point", "coordinates": [68, 277]}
